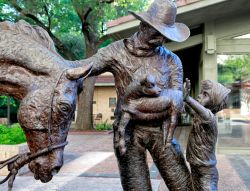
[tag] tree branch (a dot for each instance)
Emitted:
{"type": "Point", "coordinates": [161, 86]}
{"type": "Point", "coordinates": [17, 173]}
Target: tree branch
{"type": "Point", "coordinates": [31, 16]}
{"type": "Point", "coordinates": [86, 14]}
{"type": "Point", "coordinates": [107, 1]}
{"type": "Point", "coordinates": [83, 15]}
{"type": "Point", "coordinates": [59, 45]}
{"type": "Point", "coordinates": [48, 15]}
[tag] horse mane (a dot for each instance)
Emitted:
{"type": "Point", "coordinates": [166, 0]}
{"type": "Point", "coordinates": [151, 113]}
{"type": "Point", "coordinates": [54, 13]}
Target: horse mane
{"type": "Point", "coordinates": [36, 33]}
{"type": "Point", "coordinates": [30, 47]}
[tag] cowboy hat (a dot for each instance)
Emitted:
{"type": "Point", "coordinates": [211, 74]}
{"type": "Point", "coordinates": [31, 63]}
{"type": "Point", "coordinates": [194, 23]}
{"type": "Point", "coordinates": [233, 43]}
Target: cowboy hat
{"type": "Point", "coordinates": [161, 16]}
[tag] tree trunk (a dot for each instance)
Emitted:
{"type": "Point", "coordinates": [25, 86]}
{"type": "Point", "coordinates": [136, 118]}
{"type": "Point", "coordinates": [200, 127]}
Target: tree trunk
{"type": "Point", "coordinates": [84, 119]}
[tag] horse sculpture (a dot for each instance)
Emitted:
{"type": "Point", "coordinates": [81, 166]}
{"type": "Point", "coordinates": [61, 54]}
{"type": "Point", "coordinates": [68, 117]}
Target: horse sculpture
{"type": "Point", "coordinates": [32, 71]}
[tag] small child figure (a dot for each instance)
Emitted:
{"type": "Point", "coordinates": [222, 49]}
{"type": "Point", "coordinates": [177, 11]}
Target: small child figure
{"type": "Point", "coordinates": [146, 96]}
{"type": "Point", "coordinates": [203, 136]}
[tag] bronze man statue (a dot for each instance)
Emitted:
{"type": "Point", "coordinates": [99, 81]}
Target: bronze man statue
{"type": "Point", "coordinates": [130, 60]}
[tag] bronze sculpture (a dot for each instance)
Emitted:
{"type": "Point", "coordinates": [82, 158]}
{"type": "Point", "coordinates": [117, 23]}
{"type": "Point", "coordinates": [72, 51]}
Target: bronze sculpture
{"type": "Point", "coordinates": [139, 105]}
{"type": "Point", "coordinates": [147, 87]}
{"type": "Point", "coordinates": [28, 54]}
{"type": "Point", "coordinates": [203, 136]}
{"type": "Point", "coordinates": [128, 60]}
{"type": "Point", "coordinates": [34, 73]}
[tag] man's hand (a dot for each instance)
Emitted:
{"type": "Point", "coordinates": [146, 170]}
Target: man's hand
{"type": "Point", "coordinates": [186, 89]}
{"type": "Point", "coordinates": [81, 72]}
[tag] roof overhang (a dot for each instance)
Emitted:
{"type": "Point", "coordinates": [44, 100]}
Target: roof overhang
{"type": "Point", "coordinates": [193, 15]}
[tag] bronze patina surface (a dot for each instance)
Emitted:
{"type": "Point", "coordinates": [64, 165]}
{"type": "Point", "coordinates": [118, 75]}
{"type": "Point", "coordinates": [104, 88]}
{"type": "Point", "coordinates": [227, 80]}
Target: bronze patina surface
{"type": "Point", "coordinates": [149, 86]}
{"type": "Point", "coordinates": [33, 72]}
{"type": "Point", "coordinates": [203, 136]}
{"type": "Point", "coordinates": [130, 60]}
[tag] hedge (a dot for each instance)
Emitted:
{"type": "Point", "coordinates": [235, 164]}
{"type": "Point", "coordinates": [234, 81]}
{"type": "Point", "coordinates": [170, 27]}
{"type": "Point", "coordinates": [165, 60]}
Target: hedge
{"type": "Point", "coordinates": [11, 135]}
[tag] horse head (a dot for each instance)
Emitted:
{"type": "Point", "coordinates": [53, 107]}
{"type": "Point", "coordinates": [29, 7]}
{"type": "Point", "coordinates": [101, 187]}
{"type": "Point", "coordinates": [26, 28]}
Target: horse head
{"type": "Point", "coordinates": [33, 72]}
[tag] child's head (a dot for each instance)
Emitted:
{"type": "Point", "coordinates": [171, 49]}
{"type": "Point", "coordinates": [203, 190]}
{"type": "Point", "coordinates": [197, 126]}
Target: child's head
{"type": "Point", "coordinates": [213, 95]}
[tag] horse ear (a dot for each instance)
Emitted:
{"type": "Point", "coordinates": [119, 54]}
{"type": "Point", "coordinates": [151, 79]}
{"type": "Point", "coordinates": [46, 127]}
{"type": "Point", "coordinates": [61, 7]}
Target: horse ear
{"type": "Point", "coordinates": [76, 73]}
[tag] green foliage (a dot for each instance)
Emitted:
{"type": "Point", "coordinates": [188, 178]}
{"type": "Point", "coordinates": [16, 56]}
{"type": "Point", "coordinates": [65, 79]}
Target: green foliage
{"type": "Point", "coordinates": [103, 126]}
{"type": "Point", "coordinates": [123, 6]}
{"type": "Point", "coordinates": [75, 44]}
{"type": "Point", "coordinates": [106, 43]}
{"type": "Point", "coordinates": [60, 17]}
{"type": "Point", "coordinates": [103, 12]}
{"type": "Point", "coordinates": [11, 135]}
{"type": "Point", "coordinates": [4, 101]}
{"type": "Point", "coordinates": [7, 12]}
{"type": "Point", "coordinates": [14, 105]}
{"type": "Point", "coordinates": [234, 68]}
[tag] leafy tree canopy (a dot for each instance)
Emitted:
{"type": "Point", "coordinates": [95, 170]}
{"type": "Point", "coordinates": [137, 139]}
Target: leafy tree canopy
{"type": "Point", "coordinates": [63, 17]}
{"type": "Point", "coordinates": [234, 69]}
{"type": "Point", "coordinates": [4, 102]}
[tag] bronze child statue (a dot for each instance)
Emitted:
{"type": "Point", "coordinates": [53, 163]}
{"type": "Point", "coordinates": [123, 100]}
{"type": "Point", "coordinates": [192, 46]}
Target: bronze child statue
{"type": "Point", "coordinates": [203, 136]}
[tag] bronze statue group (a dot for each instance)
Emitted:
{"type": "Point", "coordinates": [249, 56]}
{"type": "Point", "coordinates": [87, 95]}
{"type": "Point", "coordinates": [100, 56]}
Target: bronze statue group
{"type": "Point", "coordinates": [149, 85]}
{"type": "Point", "coordinates": [150, 91]}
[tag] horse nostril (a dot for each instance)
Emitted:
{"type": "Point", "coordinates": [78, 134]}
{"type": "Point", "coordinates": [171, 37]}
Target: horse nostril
{"type": "Point", "coordinates": [55, 170]}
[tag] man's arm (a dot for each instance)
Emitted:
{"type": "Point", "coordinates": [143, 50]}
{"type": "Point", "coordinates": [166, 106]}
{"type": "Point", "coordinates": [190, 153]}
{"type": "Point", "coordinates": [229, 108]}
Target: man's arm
{"type": "Point", "coordinates": [175, 86]}
{"type": "Point", "coordinates": [176, 73]}
{"type": "Point", "coordinates": [99, 63]}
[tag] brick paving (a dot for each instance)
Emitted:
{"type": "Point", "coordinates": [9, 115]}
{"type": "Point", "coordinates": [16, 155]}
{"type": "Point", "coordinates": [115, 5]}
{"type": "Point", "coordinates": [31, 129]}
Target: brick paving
{"type": "Point", "coordinates": [241, 163]}
{"type": "Point", "coordinates": [229, 178]}
{"type": "Point", "coordinates": [90, 164]}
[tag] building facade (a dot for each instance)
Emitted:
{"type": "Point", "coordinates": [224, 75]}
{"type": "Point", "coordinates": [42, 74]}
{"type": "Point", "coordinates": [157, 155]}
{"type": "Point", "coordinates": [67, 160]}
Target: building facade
{"type": "Point", "coordinates": [105, 98]}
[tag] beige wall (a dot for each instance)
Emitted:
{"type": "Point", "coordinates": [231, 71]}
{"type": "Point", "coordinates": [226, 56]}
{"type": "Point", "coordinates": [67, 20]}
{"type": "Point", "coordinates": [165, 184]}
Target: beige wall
{"type": "Point", "coordinates": [101, 105]}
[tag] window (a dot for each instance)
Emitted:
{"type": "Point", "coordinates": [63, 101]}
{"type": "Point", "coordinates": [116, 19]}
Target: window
{"type": "Point", "coordinates": [112, 102]}
{"type": "Point", "coordinates": [233, 122]}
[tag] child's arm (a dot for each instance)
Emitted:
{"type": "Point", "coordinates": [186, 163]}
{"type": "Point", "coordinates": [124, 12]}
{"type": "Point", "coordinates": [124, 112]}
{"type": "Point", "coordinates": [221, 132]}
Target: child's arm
{"type": "Point", "coordinates": [193, 104]}
{"type": "Point", "coordinates": [198, 108]}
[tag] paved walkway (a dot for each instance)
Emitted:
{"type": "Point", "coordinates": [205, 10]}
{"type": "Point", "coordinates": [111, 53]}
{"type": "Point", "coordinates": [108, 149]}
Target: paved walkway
{"type": "Point", "coordinates": [90, 165]}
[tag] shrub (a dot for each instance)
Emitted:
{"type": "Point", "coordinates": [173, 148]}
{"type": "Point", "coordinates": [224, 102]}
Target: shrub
{"type": "Point", "coordinates": [103, 126]}
{"type": "Point", "coordinates": [11, 135]}
{"type": "Point", "coordinates": [14, 105]}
